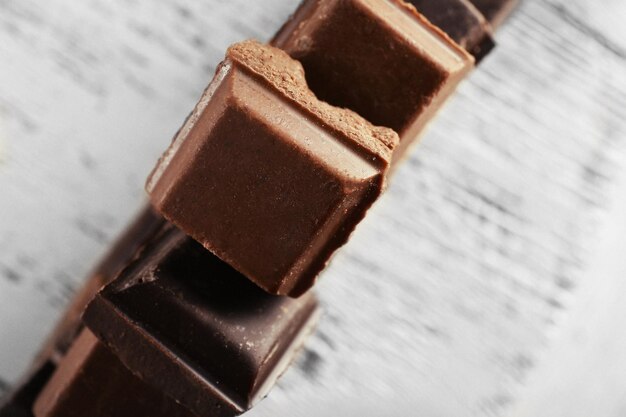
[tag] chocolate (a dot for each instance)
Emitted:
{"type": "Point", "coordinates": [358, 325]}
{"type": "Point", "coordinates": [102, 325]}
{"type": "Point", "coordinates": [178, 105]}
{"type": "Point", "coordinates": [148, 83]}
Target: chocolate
{"type": "Point", "coordinates": [266, 176]}
{"type": "Point", "coordinates": [379, 58]}
{"type": "Point", "coordinates": [197, 330]}
{"type": "Point", "coordinates": [91, 381]}
{"type": "Point", "coordinates": [142, 229]}
{"type": "Point", "coordinates": [461, 21]}
{"type": "Point", "coordinates": [496, 11]}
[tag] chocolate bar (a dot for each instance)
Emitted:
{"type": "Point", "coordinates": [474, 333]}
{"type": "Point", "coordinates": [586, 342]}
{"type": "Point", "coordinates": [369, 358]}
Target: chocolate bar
{"type": "Point", "coordinates": [142, 229]}
{"type": "Point", "coordinates": [194, 328]}
{"type": "Point", "coordinates": [266, 176]}
{"type": "Point", "coordinates": [379, 58]}
{"type": "Point", "coordinates": [496, 11]}
{"type": "Point", "coordinates": [91, 381]}
{"type": "Point", "coordinates": [461, 21]}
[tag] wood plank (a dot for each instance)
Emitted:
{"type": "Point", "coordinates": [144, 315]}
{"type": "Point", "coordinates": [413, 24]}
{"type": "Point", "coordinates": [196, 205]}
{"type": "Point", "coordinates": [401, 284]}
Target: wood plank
{"type": "Point", "coordinates": [584, 371]}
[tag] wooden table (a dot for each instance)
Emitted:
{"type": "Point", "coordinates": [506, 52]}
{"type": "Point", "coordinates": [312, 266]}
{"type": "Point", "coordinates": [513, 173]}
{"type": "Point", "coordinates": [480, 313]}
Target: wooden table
{"type": "Point", "coordinates": [486, 282]}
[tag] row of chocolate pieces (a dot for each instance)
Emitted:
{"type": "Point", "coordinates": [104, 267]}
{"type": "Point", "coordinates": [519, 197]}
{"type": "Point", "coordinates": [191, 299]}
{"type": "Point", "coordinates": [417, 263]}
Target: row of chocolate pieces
{"type": "Point", "coordinates": [348, 159]}
{"type": "Point", "coordinates": [190, 329]}
{"type": "Point", "coordinates": [295, 193]}
{"type": "Point", "coordinates": [180, 333]}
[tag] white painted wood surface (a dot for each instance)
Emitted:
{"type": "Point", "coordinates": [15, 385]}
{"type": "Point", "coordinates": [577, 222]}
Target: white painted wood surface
{"type": "Point", "coordinates": [459, 294]}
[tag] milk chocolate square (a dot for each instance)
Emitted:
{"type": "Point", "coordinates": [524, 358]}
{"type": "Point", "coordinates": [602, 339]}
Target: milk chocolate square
{"type": "Point", "coordinates": [379, 58]}
{"type": "Point", "coordinates": [266, 176]}
{"type": "Point", "coordinates": [197, 330]}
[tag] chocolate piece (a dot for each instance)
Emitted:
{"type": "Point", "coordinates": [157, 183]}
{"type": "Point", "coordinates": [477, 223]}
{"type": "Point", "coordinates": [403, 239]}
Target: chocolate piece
{"type": "Point", "coordinates": [197, 330]}
{"type": "Point", "coordinates": [143, 228]}
{"type": "Point", "coordinates": [379, 58]}
{"type": "Point", "coordinates": [461, 21]}
{"type": "Point", "coordinates": [266, 176]}
{"type": "Point", "coordinates": [91, 381]}
{"type": "Point", "coordinates": [496, 11]}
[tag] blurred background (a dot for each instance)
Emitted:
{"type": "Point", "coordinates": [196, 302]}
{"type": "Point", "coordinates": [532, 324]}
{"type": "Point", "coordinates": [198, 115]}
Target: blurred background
{"type": "Point", "coordinates": [488, 281]}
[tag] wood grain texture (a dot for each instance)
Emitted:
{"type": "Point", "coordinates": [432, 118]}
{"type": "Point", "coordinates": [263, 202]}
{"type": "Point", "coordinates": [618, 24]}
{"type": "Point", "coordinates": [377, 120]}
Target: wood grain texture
{"type": "Point", "coordinates": [583, 373]}
{"type": "Point", "coordinates": [447, 298]}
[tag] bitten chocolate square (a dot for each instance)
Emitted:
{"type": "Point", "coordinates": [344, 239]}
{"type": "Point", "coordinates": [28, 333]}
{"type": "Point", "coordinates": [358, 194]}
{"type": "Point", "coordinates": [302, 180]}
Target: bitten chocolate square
{"type": "Point", "coordinates": [266, 176]}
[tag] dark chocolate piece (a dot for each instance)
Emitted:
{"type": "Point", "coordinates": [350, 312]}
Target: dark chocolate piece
{"type": "Point", "coordinates": [461, 21]}
{"type": "Point", "coordinates": [91, 382]}
{"type": "Point", "coordinates": [194, 328]}
{"type": "Point", "coordinates": [266, 176]}
{"type": "Point", "coordinates": [496, 11]}
{"type": "Point", "coordinates": [379, 58]}
{"type": "Point", "coordinates": [142, 229]}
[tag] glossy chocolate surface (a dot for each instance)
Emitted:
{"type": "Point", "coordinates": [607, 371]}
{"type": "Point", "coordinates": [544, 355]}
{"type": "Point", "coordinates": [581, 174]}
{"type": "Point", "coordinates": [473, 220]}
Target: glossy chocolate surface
{"type": "Point", "coordinates": [461, 21]}
{"type": "Point", "coordinates": [379, 58]}
{"type": "Point", "coordinates": [180, 312]}
{"type": "Point", "coordinates": [92, 382]}
{"type": "Point", "coordinates": [266, 176]}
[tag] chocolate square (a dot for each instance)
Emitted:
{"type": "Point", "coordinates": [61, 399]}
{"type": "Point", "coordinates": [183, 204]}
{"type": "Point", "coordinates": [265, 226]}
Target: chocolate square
{"type": "Point", "coordinates": [197, 330]}
{"type": "Point", "coordinates": [266, 176]}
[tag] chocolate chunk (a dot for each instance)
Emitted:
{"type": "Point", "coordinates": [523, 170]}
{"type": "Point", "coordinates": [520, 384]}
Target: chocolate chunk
{"type": "Point", "coordinates": [461, 21]}
{"type": "Point", "coordinates": [496, 11]}
{"type": "Point", "coordinates": [379, 58]}
{"type": "Point", "coordinates": [266, 176]}
{"type": "Point", "coordinates": [91, 381]}
{"type": "Point", "coordinates": [197, 330]}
